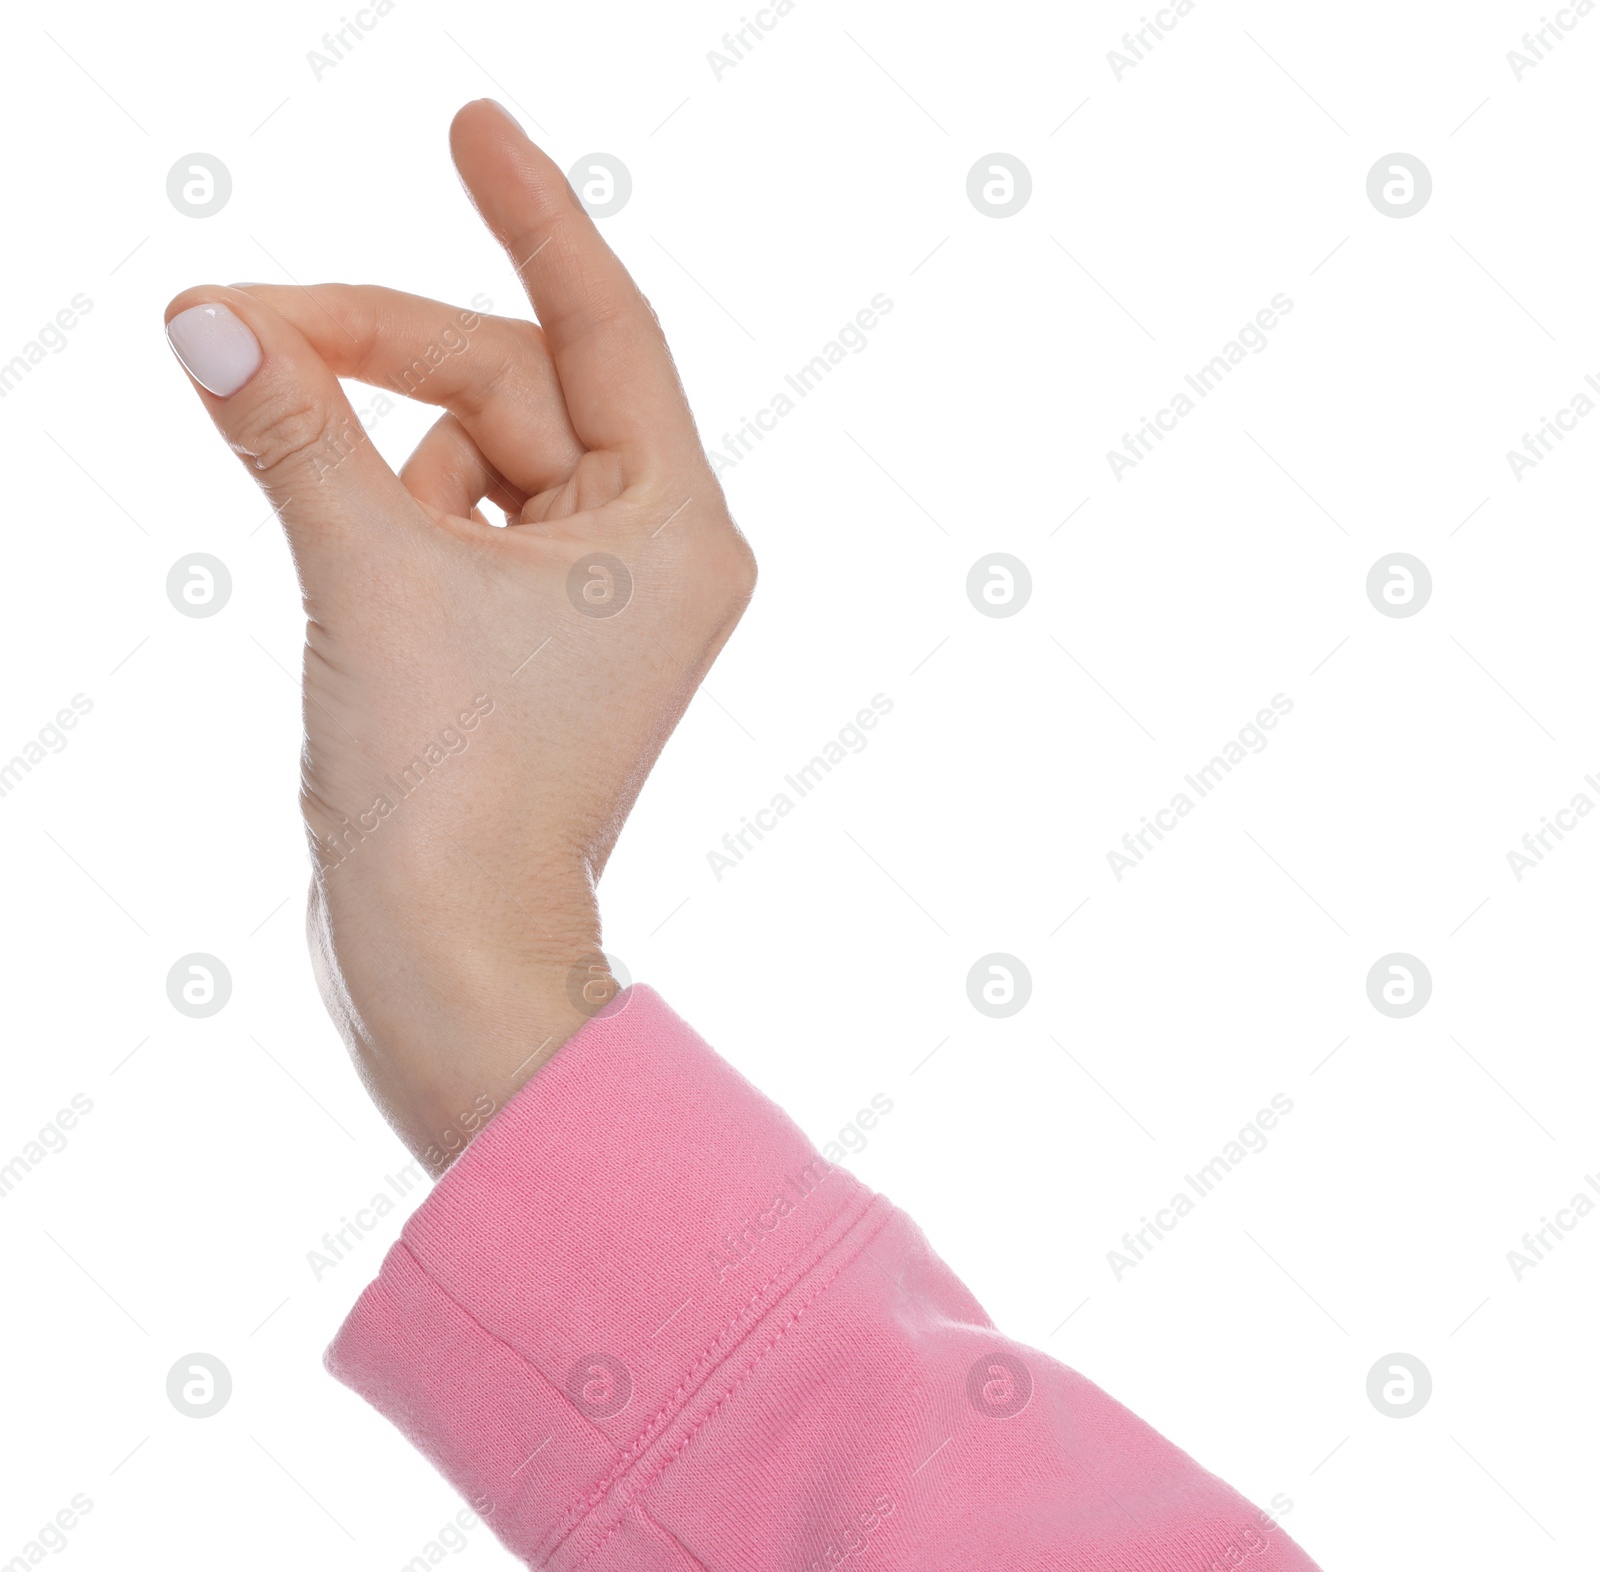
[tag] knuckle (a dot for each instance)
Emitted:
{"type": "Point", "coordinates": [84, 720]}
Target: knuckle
{"type": "Point", "coordinates": [741, 572]}
{"type": "Point", "coordinates": [727, 573]}
{"type": "Point", "coordinates": [290, 431]}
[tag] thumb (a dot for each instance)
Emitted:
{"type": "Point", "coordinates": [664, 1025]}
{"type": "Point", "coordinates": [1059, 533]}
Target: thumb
{"type": "Point", "coordinates": [282, 411]}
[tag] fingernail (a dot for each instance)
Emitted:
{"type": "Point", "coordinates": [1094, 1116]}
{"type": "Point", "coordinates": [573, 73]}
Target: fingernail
{"type": "Point", "coordinates": [216, 348]}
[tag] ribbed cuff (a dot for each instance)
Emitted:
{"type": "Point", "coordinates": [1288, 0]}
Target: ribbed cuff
{"type": "Point", "coordinates": [576, 1293]}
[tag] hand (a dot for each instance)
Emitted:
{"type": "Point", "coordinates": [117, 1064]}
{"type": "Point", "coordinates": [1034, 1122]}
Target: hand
{"type": "Point", "coordinates": [482, 704]}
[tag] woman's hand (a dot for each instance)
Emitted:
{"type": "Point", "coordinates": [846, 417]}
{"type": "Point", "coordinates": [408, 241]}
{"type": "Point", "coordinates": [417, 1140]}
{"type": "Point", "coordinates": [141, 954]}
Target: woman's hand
{"type": "Point", "coordinates": [482, 704]}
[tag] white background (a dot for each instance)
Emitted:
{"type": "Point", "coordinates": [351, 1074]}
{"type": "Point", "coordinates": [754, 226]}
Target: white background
{"type": "Point", "coordinates": [1168, 606]}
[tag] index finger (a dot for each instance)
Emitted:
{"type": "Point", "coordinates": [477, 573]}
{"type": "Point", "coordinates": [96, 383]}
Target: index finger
{"type": "Point", "coordinates": [621, 387]}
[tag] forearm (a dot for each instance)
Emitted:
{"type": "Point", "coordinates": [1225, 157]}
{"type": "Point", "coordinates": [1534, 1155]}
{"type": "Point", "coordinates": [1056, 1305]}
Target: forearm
{"type": "Point", "coordinates": [654, 1329]}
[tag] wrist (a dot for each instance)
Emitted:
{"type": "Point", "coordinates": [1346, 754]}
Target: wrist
{"type": "Point", "coordinates": [450, 1031]}
{"type": "Point", "coordinates": [515, 1024]}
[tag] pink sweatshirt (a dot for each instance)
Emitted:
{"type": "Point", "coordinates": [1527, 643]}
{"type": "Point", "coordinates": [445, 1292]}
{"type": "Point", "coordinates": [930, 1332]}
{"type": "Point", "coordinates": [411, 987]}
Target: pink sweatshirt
{"type": "Point", "coordinates": [644, 1327]}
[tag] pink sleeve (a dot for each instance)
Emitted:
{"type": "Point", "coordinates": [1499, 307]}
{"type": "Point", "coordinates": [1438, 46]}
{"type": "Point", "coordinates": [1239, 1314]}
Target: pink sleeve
{"type": "Point", "coordinates": [644, 1327]}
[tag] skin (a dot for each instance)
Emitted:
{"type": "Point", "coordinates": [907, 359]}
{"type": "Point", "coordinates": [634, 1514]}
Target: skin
{"type": "Point", "coordinates": [457, 940]}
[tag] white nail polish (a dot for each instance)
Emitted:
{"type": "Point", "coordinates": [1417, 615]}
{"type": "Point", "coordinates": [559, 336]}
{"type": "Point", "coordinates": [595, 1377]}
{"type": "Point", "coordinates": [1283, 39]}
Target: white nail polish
{"type": "Point", "coordinates": [216, 348]}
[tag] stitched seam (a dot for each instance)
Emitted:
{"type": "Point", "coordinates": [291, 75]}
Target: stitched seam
{"type": "Point", "coordinates": [566, 1521]}
{"type": "Point", "coordinates": [797, 1311]}
{"type": "Point", "coordinates": [494, 1337]}
{"type": "Point", "coordinates": [716, 1352]}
